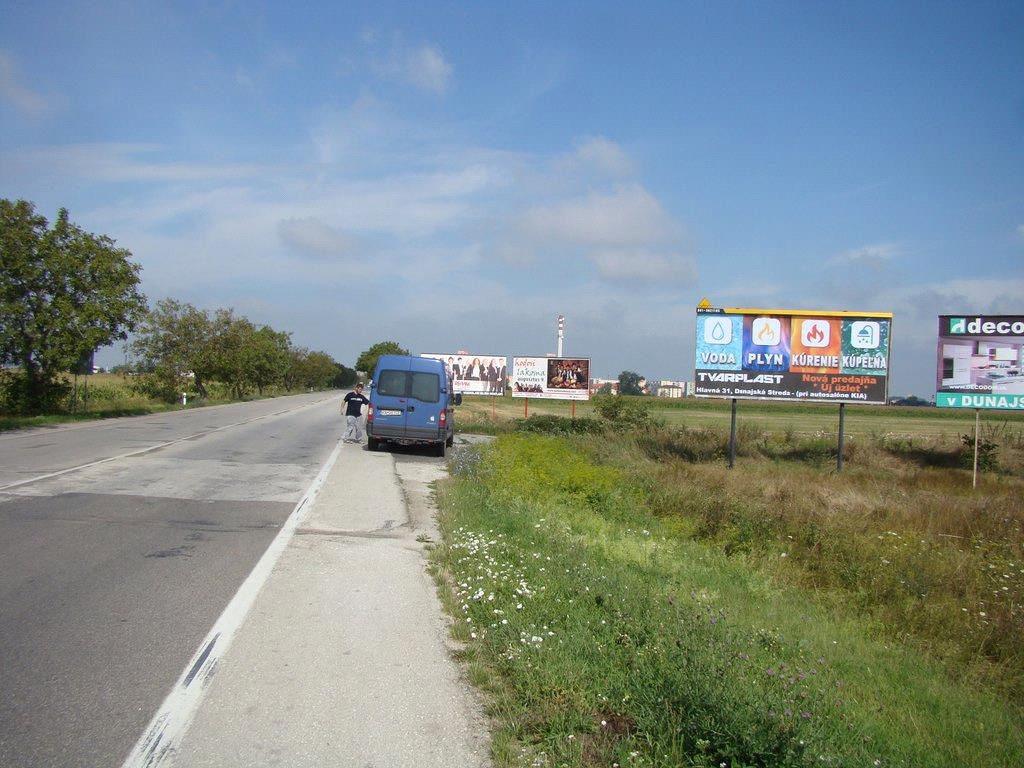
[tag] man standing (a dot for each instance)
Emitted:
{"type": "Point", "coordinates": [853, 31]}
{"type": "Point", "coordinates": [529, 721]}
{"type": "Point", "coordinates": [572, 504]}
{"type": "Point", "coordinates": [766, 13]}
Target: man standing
{"type": "Point", "coordinates": [353, 406]}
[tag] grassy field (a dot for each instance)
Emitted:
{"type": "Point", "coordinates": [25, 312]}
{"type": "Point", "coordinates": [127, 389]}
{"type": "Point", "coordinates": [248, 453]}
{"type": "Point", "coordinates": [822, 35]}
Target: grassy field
{"type": "Point", "coordinates": [626, 599]}
{"type": "Point", "coordinates": [803, 418]}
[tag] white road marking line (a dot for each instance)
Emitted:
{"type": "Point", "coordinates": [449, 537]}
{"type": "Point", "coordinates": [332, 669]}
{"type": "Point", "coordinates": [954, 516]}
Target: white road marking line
{"type": "Point", "coordinates": [150, 448]}
{"type": "Point", "coordinates": [165, 731]}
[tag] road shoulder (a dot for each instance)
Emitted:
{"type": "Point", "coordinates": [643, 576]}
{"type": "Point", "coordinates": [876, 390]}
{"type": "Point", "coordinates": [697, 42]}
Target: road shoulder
{"type": "Point", "coordinates": [344, 657]}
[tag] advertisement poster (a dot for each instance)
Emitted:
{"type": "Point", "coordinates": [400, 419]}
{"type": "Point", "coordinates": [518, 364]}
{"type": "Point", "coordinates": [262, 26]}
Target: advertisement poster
{"type": "Point", "coordinates": [792, 355]}
{"type": "Point", "coordinates": [475, 374]}
{"type": "Point", "coordinates": [979, 362]}
{"type": "Point", "coordinates": [552, 378]}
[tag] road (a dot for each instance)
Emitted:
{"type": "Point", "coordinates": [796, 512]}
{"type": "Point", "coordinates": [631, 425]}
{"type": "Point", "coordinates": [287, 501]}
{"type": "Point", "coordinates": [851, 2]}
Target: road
{"type": "Point", "coordinates": [120, 544]}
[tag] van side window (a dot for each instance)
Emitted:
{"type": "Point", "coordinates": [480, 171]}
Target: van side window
{"type": "Point", "coordinates": [392, 383]}
{"type": "Point", "coordinates": [425, 387]}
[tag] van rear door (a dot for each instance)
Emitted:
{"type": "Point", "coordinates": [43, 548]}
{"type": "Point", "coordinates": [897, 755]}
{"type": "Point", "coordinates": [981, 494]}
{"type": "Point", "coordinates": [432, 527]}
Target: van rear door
{"type": "Point", "coordinates": [390, 401]}
{"type": "Point", "coordinates": [423, 421]}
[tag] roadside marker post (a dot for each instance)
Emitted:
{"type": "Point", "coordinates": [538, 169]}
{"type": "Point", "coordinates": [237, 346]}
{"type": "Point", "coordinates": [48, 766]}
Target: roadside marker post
{"type": "Point", "coordinates": [526, 407]}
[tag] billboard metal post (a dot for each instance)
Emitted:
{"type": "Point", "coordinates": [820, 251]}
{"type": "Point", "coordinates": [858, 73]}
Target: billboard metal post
{"type": "Point", "coordinates": [526, 407]}
{"type": "Point", "coordinates": [977, 424]}
{"type": "Point", "coordinates": [574, 409]}
{"type": "Point", "coordinates": [842, 425]}
{"type": "Point", "coordinates": [732, 436]}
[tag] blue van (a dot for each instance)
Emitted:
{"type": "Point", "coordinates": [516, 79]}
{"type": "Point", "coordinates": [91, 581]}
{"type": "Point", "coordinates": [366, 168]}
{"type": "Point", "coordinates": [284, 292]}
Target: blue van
{"type": "Point", "coordinates": [411, 403]}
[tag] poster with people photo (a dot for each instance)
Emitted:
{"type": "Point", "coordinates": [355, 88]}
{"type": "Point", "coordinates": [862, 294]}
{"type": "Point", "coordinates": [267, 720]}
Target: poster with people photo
{"type": "Point", "coordinates": [475, 374]}
{"type": "Point", "coordinates": [551, 378]}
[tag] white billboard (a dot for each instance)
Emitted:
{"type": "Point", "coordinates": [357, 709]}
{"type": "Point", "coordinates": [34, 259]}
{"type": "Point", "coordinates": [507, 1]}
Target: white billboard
{"type": "Point", "coordinates": [475, 374]}
{"type": "Point", "coordinates": [551, 378]}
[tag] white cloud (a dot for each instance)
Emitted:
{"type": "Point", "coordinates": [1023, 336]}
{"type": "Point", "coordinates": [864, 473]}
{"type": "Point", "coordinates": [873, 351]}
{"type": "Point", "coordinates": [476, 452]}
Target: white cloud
{"type": "Point", "coordinates": [23, 99]}
{"type": "Point", "coordinates": [602, 155]}
{"type": "Point", "coordinates": [312, 236]}
{"type": "Point", "coordinates": [115, 162]}
{"type": "Point", "coordinates": [644, 265]}
{"type": "Point", "coordinates": [627, 217]}
{"type": "Point", "coordinates": [245, 80]}
{"type": "Point", "coordinates": [422, 66]}
{"type": "Point", "coordinates": [875, 256]}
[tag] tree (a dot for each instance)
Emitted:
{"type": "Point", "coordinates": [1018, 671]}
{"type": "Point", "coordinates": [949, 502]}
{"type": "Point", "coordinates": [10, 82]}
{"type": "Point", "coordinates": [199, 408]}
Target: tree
{"type": "Point", "coordinates": [63, 293]}
{"type": "Point", "coordinates": [172, 346]}
{"type": "Point", "coordinates": [320, 370]}
{"type": "Point", "coordinates": [310, 370]}
{"type": "Point", "coordinates": [227, 351]}
{"type": "Point", "coordinates": [367, 361]}
{"type": "Point", "coordinates": [630, 383]}
{"type": "Point", "coordinates": [344, 376]}
{"type": "Point", "coordinates": [267, 356]}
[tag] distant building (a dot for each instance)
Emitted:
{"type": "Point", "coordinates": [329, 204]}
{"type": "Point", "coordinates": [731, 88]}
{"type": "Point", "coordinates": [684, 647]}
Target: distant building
{"type": "Point", "coordinates": [597, 384]}
{"type": "Point", "coordinates": [675, 389]}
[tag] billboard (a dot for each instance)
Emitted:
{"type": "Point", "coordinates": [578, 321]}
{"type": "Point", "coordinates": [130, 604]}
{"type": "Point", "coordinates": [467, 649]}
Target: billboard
{"type": "Point", "coordinates": [552, 378]}
{"type": "Point", "coordinates": [475, 374]}
{"type": "Point", "coordinates": [778, 354]}
{"type": "Point", "coordinates": [980, 362]}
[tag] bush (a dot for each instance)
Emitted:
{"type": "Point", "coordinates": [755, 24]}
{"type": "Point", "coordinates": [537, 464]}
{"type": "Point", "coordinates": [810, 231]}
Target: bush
{"type": "Point", "coordinates": [547, 424]}
{"type": "Point", "coordinates": [988, 461]}
{"type": "Point", "coordinates": [702, 444]}
{"type": "Point", "coordinates": [625, 412]}
{"type": "Point", "coordinates": [15, 397]}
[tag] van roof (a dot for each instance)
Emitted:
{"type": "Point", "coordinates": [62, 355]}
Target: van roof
{"type": "Point", "coordinates": [409, 363]}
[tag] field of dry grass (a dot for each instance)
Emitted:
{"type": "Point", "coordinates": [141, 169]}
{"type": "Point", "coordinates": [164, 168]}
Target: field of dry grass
{"type": "Point", "coordinates": [802, 418]}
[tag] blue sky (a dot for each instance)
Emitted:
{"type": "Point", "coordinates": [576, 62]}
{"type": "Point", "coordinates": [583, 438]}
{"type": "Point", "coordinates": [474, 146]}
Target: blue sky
{"type": "Point", "coordinates": [455, 175]}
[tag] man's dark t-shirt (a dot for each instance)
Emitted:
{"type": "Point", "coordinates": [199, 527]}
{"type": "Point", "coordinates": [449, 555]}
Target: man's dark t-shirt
{"type": "Point", "coordinates": [354, 404]}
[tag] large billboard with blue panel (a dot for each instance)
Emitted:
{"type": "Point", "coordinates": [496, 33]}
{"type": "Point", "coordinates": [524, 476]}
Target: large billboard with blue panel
{"type": "Point", "coordinates": [792, 355]}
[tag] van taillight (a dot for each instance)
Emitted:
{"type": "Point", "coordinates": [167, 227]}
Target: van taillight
{"type": "Point", "coordinates": [444, 417]}
{"type": "Point", "coordinates": [369, 413]}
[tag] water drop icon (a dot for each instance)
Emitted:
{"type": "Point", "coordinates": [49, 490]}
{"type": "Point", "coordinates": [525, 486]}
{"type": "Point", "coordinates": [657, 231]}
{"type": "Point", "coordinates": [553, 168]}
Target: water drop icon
{"type": "Point", "coordinates": [718, 332]}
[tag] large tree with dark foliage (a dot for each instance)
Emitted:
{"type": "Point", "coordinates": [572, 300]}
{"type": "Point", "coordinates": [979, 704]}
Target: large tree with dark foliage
{"type": "Point", "coordinates": [629, 383]}
{"type": "Point", "coordinates": [64, 292]}
{"type": "Point", "coordinates": [367, 361]}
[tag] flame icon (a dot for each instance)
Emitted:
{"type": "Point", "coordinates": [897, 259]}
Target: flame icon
{"type": "Point", "coordinates": [815, 333]}
{"type": "Point", "coordinates": [766, 331]}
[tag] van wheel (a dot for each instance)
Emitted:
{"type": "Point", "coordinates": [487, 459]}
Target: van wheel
{"type": "Point", "coordinates": [439, 449]}
{"type": "Point", "coordinates": [372, 444]}
{"type": "Point", "coordinates": [451, 440]}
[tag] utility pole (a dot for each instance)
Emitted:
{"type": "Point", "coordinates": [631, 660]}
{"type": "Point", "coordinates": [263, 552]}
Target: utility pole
{"type": "Point", "coordinates": [561, 333]}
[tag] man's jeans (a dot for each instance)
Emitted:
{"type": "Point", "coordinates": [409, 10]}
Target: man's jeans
{"type": "Point", "coordinates": [354, 430]}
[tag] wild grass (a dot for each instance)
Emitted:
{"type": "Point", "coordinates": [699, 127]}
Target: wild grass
{"type": "Point", "coordinates": [626, 599]}
{"type": "Point", "coordinates": [491, 415]}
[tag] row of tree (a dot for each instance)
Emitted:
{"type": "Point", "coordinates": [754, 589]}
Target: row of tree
{"type": "Point", "coordinates": [178, 347]}
{"type": "Point", "coordinates": [65, 292]}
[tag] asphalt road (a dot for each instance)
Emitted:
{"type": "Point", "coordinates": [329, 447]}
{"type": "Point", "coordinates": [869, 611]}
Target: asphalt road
{"type": "Point", "coordinates": [120, 544]}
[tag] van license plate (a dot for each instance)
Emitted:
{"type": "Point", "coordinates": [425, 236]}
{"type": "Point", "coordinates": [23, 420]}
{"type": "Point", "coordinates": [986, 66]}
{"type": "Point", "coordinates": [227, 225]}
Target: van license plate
{"type": "Point", "coordinates": [389, 412]}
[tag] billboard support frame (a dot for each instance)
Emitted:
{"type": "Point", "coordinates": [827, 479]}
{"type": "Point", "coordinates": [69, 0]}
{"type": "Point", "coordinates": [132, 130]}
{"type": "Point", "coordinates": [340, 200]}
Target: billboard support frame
{"type": "Point", "coordinates": [732, 437]}
{"type": "Point", "coordinates": [842, 425]}
{"type": "Point", "coordinates": [977, 429]}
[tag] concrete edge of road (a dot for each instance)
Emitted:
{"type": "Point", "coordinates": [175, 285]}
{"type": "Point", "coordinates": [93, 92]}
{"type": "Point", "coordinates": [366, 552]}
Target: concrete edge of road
{"type": "Point", "coordinates": [178, 708]}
